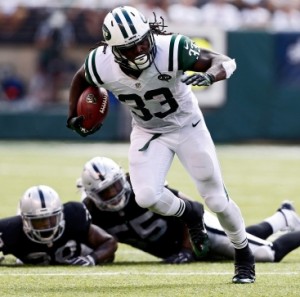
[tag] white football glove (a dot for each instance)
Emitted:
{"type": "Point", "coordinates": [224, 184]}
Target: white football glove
{"type": "Point", "coordinates": [199, 79]}
{"type": "Point", "coordinates": [82, 261]}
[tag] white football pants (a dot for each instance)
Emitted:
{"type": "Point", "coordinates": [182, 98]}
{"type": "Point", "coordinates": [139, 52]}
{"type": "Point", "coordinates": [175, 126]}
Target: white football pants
{"type": "Point", "coordinates": [196, 151]}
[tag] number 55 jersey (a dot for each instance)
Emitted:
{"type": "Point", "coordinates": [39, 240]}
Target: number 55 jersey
{"type": "Point", "coordinates": [160, 236]}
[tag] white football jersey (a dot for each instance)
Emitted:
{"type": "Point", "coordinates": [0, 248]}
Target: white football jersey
{"type": "Point", "coordinates": [159, 102]}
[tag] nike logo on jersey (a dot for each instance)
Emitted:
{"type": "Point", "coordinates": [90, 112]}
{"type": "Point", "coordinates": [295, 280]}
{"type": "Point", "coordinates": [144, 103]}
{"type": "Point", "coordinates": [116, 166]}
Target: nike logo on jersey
{"type": "Point", "coordinates": [195, 124]}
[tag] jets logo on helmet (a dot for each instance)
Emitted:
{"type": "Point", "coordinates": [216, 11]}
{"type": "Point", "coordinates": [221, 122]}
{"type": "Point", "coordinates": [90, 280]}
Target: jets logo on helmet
{"type": "Point", "coordinates": [106, 33]}
{"type": "Point", "coordinates": [124, 27]}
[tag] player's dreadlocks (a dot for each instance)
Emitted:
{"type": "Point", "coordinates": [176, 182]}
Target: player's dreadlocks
{"type": "Point", "coordinates": [157, 27]}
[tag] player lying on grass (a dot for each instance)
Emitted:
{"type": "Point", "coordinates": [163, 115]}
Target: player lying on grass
{"type": "Point", "coordinates": [47, 232]}
{"type": "Point", "coordinates": [108, 195]}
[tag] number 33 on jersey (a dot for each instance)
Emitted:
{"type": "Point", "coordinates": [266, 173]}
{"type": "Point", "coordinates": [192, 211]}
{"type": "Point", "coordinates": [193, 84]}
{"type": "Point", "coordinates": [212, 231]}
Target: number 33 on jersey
{"type": "Point", "coordinates": [157, 96]}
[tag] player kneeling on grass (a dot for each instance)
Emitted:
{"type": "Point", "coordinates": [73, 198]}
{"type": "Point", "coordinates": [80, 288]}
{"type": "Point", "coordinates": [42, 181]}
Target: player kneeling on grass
{"type": "Point", "coordinates": [107, 193]}
{"type": "Point", "coordinates": [47, 232]}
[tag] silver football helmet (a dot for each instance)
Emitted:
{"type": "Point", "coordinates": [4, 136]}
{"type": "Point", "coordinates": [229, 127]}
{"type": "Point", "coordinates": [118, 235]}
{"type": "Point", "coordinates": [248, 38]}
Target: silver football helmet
{"type": "Point", "coordinates": [123, 28]}
{"type": "Point", "coordinates": [105, 183]}
{"type": "Point", "coordinates": [42, 214]}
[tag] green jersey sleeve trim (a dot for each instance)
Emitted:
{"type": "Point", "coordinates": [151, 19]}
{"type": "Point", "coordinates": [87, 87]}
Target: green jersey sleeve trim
{"type": "Point", "coordinates": [171, 53]}
{"type": "Point", "coordinates": [183, 53]}
{"type": "Point", "coordinates": [91, 73]}
{"type": "Point", "coordinates": [188, 53]}
{"type": "Point", "coordinates": [87, 73]}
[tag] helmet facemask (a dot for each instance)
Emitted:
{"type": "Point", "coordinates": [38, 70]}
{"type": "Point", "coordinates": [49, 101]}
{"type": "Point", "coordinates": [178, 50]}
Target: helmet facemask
{"type": "Point", "coordinates": [42, 214]}
{"type": "Point", "coordinates": [142, 61]}
{"type": "Point", "coordinates": [112, 197]}
{"type": "Point", "coordinates": [44, 229]}
{"type": "Point", "coordinates": [105, 183]}
{"type": "Point", "coordinates": [125, 27]}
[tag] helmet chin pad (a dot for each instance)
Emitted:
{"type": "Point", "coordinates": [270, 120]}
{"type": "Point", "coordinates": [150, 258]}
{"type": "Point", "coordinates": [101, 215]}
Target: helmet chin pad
{"type": "Point", "coordinates": [141, 62]}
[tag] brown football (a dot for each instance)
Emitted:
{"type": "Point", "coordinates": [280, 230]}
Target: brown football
{"type": "Point", "coordinates": [93, 105]}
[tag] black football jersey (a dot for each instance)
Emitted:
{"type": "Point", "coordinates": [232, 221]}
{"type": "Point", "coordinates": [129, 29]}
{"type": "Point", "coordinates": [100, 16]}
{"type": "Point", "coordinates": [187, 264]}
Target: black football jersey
{"type": "Point", "coordinates": [141, 228]}
{"type": "Point", "coordinates": [14, 241]}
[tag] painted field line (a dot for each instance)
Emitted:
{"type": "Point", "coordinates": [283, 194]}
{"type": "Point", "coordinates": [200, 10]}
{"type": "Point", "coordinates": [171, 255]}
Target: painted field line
{"type": "Point", "coordinates": [138, 273]}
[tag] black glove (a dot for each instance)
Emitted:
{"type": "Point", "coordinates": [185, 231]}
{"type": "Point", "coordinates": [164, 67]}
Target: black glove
{"type": "Point", "coordinates": [199, 79]}
{"type": "Point", "coordinates": [184, 256]}
{"type": "Point", "coordinates": [82, 261]}
{"type": "Point", "coordinates": [75, 125]}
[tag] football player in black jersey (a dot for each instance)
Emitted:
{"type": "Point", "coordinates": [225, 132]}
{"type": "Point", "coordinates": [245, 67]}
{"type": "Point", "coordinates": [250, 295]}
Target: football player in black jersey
{"type": "Point", "coordinates": [47, 232]}
{"type": "Point", "coordinates": [107, 193]}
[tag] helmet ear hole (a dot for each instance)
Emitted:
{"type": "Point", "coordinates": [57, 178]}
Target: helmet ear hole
{"type": "Point", "coordinates": [105, 183]}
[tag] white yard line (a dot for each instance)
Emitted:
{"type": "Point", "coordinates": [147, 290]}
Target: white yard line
{"type": "Point", "coordinates": [121, 148]}
{"type": "Point", "coordinates": [138, 273]}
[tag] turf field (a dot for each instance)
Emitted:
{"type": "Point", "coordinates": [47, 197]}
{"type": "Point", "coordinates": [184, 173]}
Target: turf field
{"type": "Point", "coordinates": [258, 179]}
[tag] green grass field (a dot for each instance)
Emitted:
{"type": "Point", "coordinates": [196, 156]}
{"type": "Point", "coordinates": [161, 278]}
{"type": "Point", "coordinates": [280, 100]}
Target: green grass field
{"type": "Point", "coordinates": [258, 179]}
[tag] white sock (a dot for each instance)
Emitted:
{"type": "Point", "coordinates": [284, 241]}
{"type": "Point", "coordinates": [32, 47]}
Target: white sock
{"type": "Point", "coordinates": [277, 221]}
{"type": "Point", "coordinates": [233, 224]}
{"type": "Point", "coordinates": [264, 254]}
{"type": "Point", "coordinates": [168, 205]}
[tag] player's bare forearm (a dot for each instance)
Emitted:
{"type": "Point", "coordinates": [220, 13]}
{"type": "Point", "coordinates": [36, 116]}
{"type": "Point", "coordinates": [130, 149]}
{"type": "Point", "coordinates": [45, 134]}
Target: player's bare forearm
{"type": "Point", "coordinates": [186, 243]}
{"type": "Point", "coordinates": [218, 65]}
{"type": "Point", "coordinates": [103, 244]}
{"type": "Point", "coordinates": [78, 84]}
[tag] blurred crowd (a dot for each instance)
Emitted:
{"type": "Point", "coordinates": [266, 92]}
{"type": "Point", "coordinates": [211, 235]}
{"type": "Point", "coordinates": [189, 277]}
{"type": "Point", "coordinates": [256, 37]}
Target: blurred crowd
{"type": "Point", "coordinates": [227, 14]}
{"type": "Point", "coordinates": [52, 26]}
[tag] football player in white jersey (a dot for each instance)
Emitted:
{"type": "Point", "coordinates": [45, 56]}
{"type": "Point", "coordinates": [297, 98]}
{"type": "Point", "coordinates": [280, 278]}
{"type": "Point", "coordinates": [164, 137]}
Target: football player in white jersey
{"type": "Point", "coordinates": [144, 67]}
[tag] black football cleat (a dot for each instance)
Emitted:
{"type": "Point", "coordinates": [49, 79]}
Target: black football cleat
{"type": "Point", "coordinates": [244, 271]}
{"type": "Point", "coordinates": [198, 234]}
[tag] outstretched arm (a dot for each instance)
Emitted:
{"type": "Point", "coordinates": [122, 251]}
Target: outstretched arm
{"type": "Point", "coordinates": [219, 65]}
{"type": "Point", "coordinates": [103, 244]}
{"type": "Point", "coordinates": [103, 248]}
{"type": "Point", "coordinates": [212, 66]}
